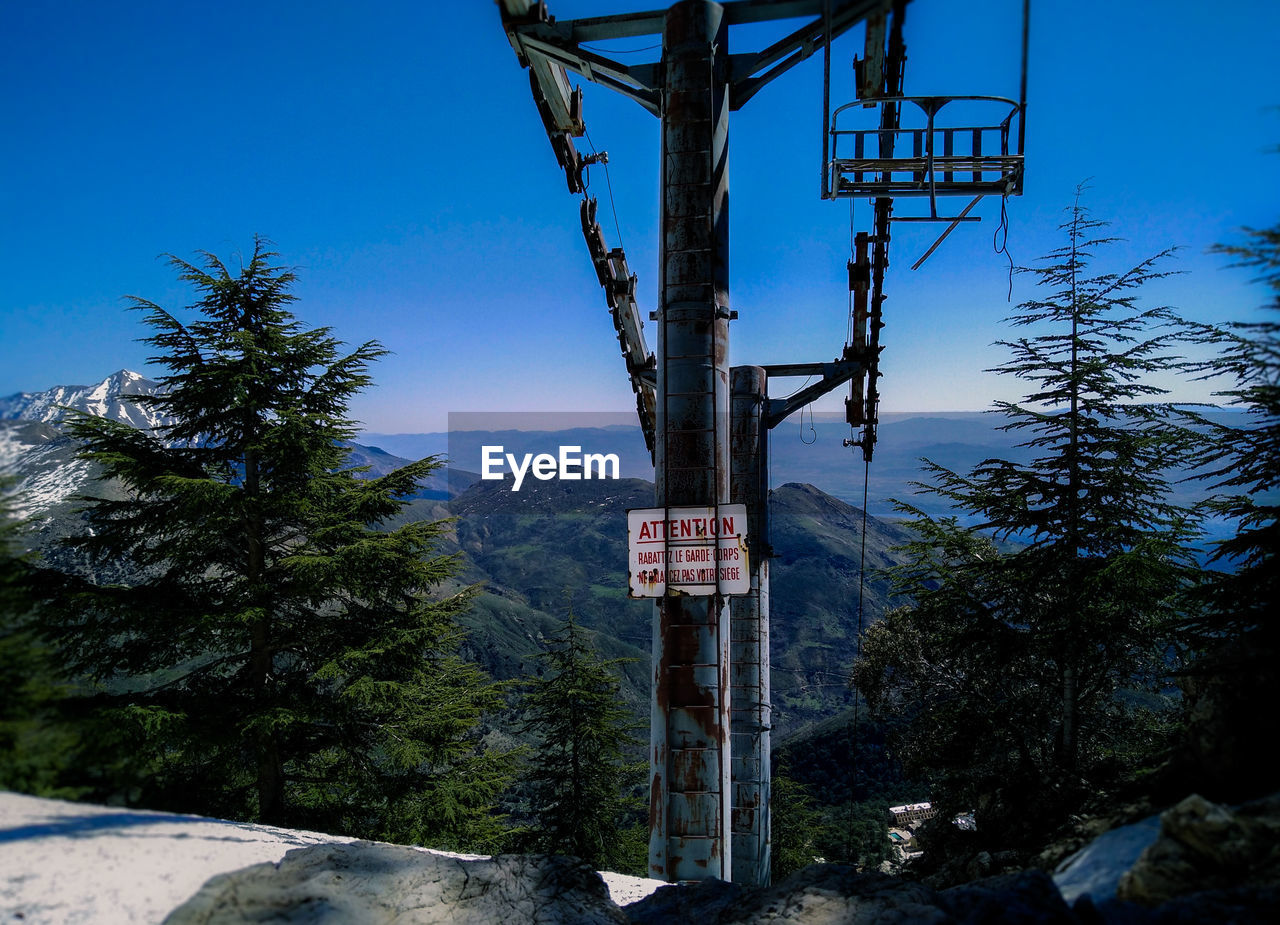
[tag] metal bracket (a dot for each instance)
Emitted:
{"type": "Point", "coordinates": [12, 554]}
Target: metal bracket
{"type": "Point", "coordinates": [834, 375]}
{"type": "Point", "coordinates": [749, 73]}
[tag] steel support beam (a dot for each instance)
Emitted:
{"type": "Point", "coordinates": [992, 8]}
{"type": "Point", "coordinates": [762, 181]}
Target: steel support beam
{"type": "Point", "coordinates": [690, 760]}
{"type": "Point", "coordinates": [750, 710]}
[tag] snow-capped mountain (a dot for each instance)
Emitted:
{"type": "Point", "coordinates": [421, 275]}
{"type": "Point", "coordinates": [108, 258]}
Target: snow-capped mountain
{"type": "Point", "coordinates": [42, 460]}
{"type": "Point", "coordinates": [111, 398]}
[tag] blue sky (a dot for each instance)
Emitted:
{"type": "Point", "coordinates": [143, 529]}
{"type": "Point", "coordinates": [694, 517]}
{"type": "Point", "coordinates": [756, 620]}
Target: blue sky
{"type": "Point", "coordinates": [393, 153]}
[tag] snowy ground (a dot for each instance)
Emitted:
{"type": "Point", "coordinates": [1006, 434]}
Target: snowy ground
{"type": "Point", "coordinates": [77, 863]}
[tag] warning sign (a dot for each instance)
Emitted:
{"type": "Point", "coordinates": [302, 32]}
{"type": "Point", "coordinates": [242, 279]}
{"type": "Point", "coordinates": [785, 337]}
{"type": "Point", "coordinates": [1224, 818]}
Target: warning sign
{"type": "Point", "coordinates": [687, 550]}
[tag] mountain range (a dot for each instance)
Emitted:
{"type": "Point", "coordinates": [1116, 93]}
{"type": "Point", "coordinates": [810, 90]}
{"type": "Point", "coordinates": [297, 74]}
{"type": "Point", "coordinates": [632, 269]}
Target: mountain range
{"type": "Point", "coordinates": [533, 554]}
{"type": "Point", "coordinates": [111, 398]}
{"type": "Point", "coordinates": [35, 448]}
{"type": "Point", "coordinates": [814, 453]}
{"type": "Point", "coordinates": [555, 545]}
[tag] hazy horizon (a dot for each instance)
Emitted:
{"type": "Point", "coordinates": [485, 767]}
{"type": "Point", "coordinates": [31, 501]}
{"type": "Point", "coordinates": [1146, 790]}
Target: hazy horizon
{"type": "Point", "coordinates": [412, 186]}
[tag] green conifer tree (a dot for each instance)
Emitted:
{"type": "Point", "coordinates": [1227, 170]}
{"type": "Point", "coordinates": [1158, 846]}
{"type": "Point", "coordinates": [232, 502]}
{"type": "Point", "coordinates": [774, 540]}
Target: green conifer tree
{"type": "Point", "coordinates": [1234, 628]}
{"type": "Point", "coordinates": [1242, 459]}
{"type": "Point", "coordinates": [38, 746]}
{"type": "Point", "coordinates": [798, 833]}
{"type": "Point", "coordinates": [276, 657]}
{"type": "Point", "coordinates": [579, 776]}
{"type": "Point", "coordinates": [1021, 671]}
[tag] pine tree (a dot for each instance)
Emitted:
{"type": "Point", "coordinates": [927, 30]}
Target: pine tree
{"type": "Point", "coordinates": [36, 745]}
{"type": "Point", "coordinates": [276, 658]}
{"type": "Point", "coordinates": [579, 776]}
{"type": "Point", "coordinates": [1242, 461]}
{"type": "Point", "coordinates": [15, 647]}
{"type": "Point", "coordinates": [797, 829]}
{"type": "Point", "coordinates": [1234, 628]}
{"type": "Point", "coordinates": [1021, 670]}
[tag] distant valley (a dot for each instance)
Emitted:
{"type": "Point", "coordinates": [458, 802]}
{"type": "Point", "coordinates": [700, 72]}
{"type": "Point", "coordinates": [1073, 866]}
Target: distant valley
{"type": "Point", "coordinates": [533, 554]}
{"type": "Point", "coordinates": [553, 545]}
{"type": "Point", "coordinates": [812, 453]}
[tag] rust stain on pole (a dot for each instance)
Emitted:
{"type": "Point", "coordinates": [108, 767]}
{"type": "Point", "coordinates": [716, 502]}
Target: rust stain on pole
{"type": "Point", "coordinates": [690, 836]}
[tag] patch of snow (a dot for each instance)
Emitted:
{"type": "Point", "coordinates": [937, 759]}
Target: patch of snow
{"type": "Point", "coordinates": [44, 471]}
{"type": "Point", "coordinates": [625, 890]}
{"type": "Point", "coordinates": [43, 489]}
{"type": "Point", "coordinates": [70, 863]}
{"type": "Point", "coordinates": [11, 450]}
{"type": "Point", "coordinates": [1095, 869]}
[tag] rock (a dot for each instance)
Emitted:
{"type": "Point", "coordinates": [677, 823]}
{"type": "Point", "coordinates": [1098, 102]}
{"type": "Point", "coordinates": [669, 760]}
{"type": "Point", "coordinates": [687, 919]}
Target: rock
{"type": "Point", "coordinates": [1024, 897]}
{"type": "Point", "coordinates": [1240, 906]}
{"type": "Point", "coordinates": [1007, 861]}
{"type": "Point", "coordinates": [831, 893]}
{"type": "Point", "coordinates": [979, 865]}
{"type": "Point", "coordinates": [1207, 846]}
{"type": "Point", "coordinates": [374, 883]}
{"type": "Point", "coordinates": [1095, 870]}
{"type": "Point", "coordinates": [699, 903]}
{"type": "Point", "coordinates": [828, 893]}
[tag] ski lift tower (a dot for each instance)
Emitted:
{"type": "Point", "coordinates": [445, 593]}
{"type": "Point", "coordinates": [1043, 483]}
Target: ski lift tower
{"type": "Point", "coordinates": [706, 425]}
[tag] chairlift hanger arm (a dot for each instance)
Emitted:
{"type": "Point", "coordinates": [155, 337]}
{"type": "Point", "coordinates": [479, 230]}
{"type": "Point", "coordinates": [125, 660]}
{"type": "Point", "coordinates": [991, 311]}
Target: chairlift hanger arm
{"type": "Point", "coordinates": [619, 283]}
{"type": "Point", "coordinates": [538, 39]}
{"type": "Point", "coordinates": [834, 375]}
{"type": "Point", "coordinates": [589, 63]}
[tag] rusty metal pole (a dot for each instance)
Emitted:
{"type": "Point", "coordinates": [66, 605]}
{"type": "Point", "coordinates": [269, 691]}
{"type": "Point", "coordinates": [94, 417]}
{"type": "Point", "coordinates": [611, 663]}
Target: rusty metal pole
{"type": "Point", "coordinates": [690, 800]}
{"type": "Point", "coordinates": [750, 709]}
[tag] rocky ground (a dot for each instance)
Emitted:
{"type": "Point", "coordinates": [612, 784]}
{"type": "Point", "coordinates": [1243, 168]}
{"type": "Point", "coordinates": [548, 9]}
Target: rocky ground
{"type": "Point", "coordinates": [77, 863]}
{"type": "Point", "coordinates": [65, 862]}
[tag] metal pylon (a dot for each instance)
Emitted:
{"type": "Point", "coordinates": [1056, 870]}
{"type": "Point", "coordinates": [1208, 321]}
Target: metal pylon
{"type": "Point", "coordinates": [709, 753]}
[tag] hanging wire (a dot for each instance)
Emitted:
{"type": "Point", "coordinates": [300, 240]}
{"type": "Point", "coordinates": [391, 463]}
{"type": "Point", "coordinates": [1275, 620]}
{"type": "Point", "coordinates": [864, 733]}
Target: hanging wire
{"type": "Point", "coordinates": [826, 93]}
{"type": "Point", "coordinates": [618, 51]}
{"type": "Point", "coordinates": [608, 181]}
{"type": "Point", "coordinates": [862, 556]}
{"type": "Point", "coordinates": [852, 736]}
{"type": "Point", "coordinates": [1000, 241]}
{"type": "Point", "coordinates": [802, 387]}
{"type": "Point", "coordinates": [848, 334]}
{"type": "Point", "coordinates": [1022, 93]}
{"type": "Point", "coordinates": [811, 427]}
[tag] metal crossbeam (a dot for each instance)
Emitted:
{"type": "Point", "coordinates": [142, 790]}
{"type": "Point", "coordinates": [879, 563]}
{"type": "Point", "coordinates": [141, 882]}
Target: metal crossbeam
{"type": "Point", "coordinates": [747, 79]}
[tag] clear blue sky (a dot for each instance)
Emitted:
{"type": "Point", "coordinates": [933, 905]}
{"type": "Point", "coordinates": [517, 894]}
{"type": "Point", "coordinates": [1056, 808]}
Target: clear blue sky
{"type": "Point", "coordinates": [393, 153]}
